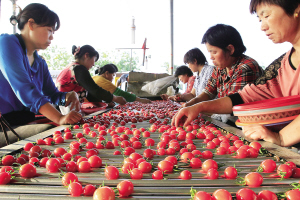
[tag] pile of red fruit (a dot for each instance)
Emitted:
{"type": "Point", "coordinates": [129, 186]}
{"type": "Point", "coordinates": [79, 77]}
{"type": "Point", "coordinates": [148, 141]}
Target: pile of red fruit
{"type": "Point", "coordinates": [177, 147]}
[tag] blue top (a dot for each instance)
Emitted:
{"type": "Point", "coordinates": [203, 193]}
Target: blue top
{"type": "Point", "coordinates": [22, 85]}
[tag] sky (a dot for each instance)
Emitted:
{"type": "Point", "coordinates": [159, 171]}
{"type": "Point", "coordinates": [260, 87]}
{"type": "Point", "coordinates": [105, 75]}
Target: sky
{"type": "Point", "coordinates": [106, 25]}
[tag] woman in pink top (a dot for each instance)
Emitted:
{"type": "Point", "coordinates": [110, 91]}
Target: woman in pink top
{"type": "Point", "coordinates": [280, 20]}
{"type": "Point", "coordinates": [185, 75]}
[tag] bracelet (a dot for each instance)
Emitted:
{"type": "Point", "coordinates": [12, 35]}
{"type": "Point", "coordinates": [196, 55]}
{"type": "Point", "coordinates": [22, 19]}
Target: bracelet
{"type": "Point", "coordinates": [62, 100]}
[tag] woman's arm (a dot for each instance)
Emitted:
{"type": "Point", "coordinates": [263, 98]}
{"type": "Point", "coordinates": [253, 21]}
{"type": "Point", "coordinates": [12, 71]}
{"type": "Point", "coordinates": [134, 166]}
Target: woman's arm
{"type": "Point", "coordinates": [188, 96]}
{"type": "Point", "coordinates": [288, 136]}
{"type": "Point", "coordinates": [85, 80]}
{"type": "Point", "coordinates": [188, 114]}
{"type": "Point", "coordinates": [51, 113]}
{"type": "Point", "coordinates": [202, 97]}
{"type": "Point", "coordinates": [18, 81]}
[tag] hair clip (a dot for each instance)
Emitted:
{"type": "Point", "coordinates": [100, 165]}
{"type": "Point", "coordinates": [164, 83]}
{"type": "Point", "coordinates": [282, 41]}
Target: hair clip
{"type": "Point", "coordinates": [13, 20]}
{"type": "Point", "coordinates": [77, 50]}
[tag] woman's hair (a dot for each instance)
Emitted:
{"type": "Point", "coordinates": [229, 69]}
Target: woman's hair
{"type": "Point", "coordinates": [41, 15]}
{"type": "Point", "coordinates": [79, 52]}
{"type": "Point", "coordinates": [222, 35]}
{"type": "Point", "coordinates": [111, 68]}
{"type": "Point", "coordinates": [183, 70]}
{"type": "Point", "coordinates": [195, 54]}
{"type": "Point", "coordinates": [289, 6]}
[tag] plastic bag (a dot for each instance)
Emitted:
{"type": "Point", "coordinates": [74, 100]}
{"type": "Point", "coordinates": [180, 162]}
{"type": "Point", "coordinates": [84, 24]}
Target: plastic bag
{"type": "Point", "coordinates": [154, 87]}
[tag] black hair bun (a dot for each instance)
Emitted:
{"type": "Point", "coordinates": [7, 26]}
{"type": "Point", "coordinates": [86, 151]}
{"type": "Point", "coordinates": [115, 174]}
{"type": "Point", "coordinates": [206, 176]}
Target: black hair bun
{"type": "Point", "coordinates": [13, 20]}
{"type": "Point", "coordinates": [74, 47]}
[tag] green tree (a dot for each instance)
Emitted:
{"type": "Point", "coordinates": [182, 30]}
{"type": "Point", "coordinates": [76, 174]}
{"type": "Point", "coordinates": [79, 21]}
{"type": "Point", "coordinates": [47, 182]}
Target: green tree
{"type": "Point", "coordinates": [56, 57]}
{"type": "Point", "coordinates": [166, 65]}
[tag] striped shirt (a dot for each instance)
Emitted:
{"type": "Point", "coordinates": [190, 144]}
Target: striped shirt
{"type": "Point", "coordinates": [202, 78]}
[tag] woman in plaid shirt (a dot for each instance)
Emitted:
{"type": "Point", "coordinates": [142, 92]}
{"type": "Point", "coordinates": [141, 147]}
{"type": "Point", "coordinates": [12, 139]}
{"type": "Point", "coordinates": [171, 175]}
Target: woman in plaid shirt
{"type": "Point", "coordinates": [280, 21]}
{"type": "Point", "coordinates": [233, 69]}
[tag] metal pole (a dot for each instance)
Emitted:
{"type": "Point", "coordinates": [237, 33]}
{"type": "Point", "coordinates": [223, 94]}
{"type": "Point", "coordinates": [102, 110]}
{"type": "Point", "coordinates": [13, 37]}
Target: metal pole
{"type": "Point", "coordinates": [14, 14]}
{"type": "Point", "coordinates": [130, 58]}
{"type": "Point", "coordinates": [172, 38]}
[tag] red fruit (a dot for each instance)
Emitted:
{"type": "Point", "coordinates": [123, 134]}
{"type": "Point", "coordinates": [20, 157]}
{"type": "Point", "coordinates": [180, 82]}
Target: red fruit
{"type": "Point", "coordinates": [221, 194]}
{"type": "Point", "coordinates": [158, 175]}
{"type": "Point", "coordinates": [34, 161]}
{"type": "Point", "coordinates": [186, 157]}
{"type": "Point", "coordinates": [71, 166]}
{"type": "Point", "coordinates": [68, 178]}
{"type": "Point", "coordinates": [283, 168]}
{"type": "Point", "coordinates": [75, 189]}
{"type": "Point", "coordinates": [296, 173]}
{"type": "Point", "coordinates": [95, 161]}
{"type": "Point", "coordinates": [212, 174]}
{"type": "Point", "coordinates": [253, 179]}
{"type": "Point", "coordinates": [145, 167]}
{"type": "Point", "coordinates": [111, 172]}
{"type": "Point", "coordinates": [7, 169]}
{"type": "Point", "coordinates": [53, 165]}
{"type": "Point", "coordinates": [292, 194]}
{"type": "Point", "coordinates": [185, 175]}
{"type": "Point", "coordinates": [136, 174]}
{"type": "Point", "coordinates": [148, 153]}
{"type": "Point", "coordinates": [201, 195]}
{"type": "Point", "coordinates": [27, 171]}
{"type": "Point", "coordinates": [4, 178]}
{"type": "Point", "coordinates": [149, 142]}
{"type": "Point", "coordinates": [241, 153]}
{"type": "Point", "coordinates": [105, 192]}
{"type": "Point", "coordinates": [252, 153]}
{"type": "Point", "coordinates": [195, 163]}
{"type": "Point", "coordinates": [172, 159]}
{"type": "Point", "coordinates": [59, 152]}
{"type": "Point", "coordinates": [268, 165]}
{"type": "Point", "coordinates": [89, 190]}
{"type": "Point", "coordinates": [246, 194]}
{"type": "Point", "coordinates": [291, 164]}
{"type": "Point", "coordinates": [84, 166]}
{"type": "Point", "coordinates": [207, 155]}
{"type": "Point", "coordinates": [28, 146]}
{"type": "Point", "coordinates": [221, 151]}
{"type": "Point", "coordinates": [127, 167]}
{"type": "Point", "coordinates": [8, 160]}
{"type": "Point", "coordinates": [49, 141]}
{"type": "Point", "coordinates": [165, 166]}
{"type": "Point", "coordinates": [267, 195]}
{"type": "Point", "coordinates": [255, 145]}
{"type": "Point", "coordinates": [230, 173]}
{"type": "Point", "coordinates": [125, 188]}
{"type": "Point", "coordinates": [209, 164]}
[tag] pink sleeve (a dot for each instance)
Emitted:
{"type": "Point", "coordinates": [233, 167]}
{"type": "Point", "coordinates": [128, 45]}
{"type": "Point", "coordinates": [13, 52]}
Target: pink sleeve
{"type": "Point", "coordinates": [271, 84]}
{"type": "Point", "coordinates": [190, 84]}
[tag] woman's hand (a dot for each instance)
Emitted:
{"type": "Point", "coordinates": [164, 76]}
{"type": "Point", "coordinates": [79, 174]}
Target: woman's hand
{"type": "Point", "coordinates": [120, 100]}
{"type": "Point", "coordinates": [72, 98]}
{"type": "Point", "coordinates": [184, 116]}
{"type": "Point", "coordinates": [143, 100]}
{"type": "Point", "coordinates": [164, 96]}
{"type": "Point", "coordinates": [71, 118]}
{"type": "Point", "coordinates": [260, 132]}
{"type": "Point", "coordinates": [111, 105]}
{"type": "Point", "coordinates": [176, 97]}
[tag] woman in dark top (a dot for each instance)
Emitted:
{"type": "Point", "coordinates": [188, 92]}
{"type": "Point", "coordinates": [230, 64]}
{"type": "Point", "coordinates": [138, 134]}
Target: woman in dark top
{"type": "Point", "coordinates": [76, 77]}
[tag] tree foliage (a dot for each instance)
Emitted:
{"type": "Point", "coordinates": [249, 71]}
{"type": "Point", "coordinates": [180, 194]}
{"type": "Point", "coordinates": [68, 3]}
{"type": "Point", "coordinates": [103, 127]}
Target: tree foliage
{"type": "Point", "coordinates": [166, 65]}
{"type": "Point", "coordinates": [58, 58]}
